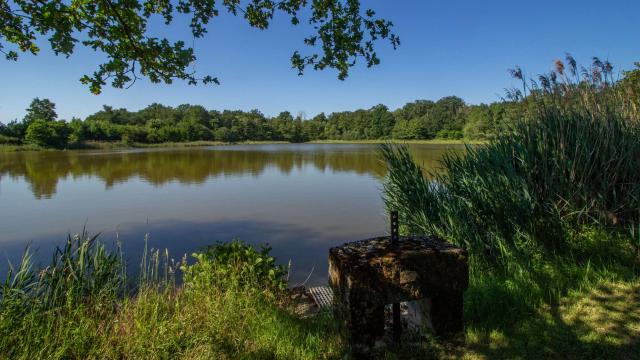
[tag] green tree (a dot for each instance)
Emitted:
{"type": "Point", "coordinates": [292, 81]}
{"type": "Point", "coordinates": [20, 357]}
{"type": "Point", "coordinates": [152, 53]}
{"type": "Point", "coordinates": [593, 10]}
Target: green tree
{"type": "Point", "coordinates": [223, 134]}
{"type": "Point", "coordinates": [479, 122]}
{"type": "Point", "coordinates": [284, 126]}
{"type": "Point", "coordinates": [15, 129]}
{"type": "Point", "coordinates": [48, 133]}
{"type": "Point", "coordinates": [134, 134]}
{"type": "Point", "coordinates": [449, 112]}
{"type": "Point", "coordinates": [315, 128]}
{"type": "Point", "coordinates": [409, 129]}
{"type": "Point", "coordinates": [192, 130]}
{"type": "Point", "coordinates": [414, 110]}
{"type": "Point", "coordinates": [119, 29]}
{"type": "Point", "coordinates": [631, 86]}
{"type": "Point", "coordinates": [79, 131]}
{"type": "Point", "coordinates": [40, 109]}
{"type": "Point", "coordinates": [381, 123]}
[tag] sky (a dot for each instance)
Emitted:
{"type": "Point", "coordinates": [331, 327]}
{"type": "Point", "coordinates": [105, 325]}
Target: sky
{"type": "Point", "coordinates": [461, 48]}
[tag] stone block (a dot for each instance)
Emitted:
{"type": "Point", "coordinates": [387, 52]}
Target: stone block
{"type": "Point", "coordinates": [368, 274]}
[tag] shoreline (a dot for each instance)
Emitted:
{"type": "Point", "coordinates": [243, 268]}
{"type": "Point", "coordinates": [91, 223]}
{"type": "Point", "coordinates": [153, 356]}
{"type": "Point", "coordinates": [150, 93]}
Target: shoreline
{"type": "Point", "coordinates": [103, 145]}
{"type": "Point", "coordinates": [400, 141]}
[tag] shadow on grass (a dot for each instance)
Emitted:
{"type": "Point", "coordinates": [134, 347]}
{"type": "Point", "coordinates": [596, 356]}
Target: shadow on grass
{"type": "Point", "coordinates": [601, 323]}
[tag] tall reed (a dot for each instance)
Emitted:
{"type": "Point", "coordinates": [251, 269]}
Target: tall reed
{"type": "Point", "coordinates": [572, 160]}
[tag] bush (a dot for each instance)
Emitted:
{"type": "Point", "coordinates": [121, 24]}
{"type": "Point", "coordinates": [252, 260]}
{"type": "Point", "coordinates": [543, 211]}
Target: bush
{"type": "Point", "coordinates": [48, 133]}
{"type": "Point", "coordinates": [224, 134]}
{"type": "Point", "coordinates": [134, 134]}
{"type": "Point", "coordinates": [8, 140]}
{"type": "Point", "coordinates": [449, 134]}
{"type": "Point", "coordinates": [245, 265]}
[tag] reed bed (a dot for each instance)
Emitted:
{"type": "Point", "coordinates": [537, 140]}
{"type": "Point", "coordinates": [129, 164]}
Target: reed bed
{"type": "Point", "coordinates": [547, 208]}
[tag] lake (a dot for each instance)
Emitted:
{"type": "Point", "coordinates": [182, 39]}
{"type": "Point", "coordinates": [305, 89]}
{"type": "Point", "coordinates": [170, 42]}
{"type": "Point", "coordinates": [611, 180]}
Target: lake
{"type": "Point", "coordinates": [301, 199]}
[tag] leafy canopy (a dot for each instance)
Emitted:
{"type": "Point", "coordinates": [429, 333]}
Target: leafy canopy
{"type": "Point", "coordinates": [50, 134]}
{"type": "Point", "coordinates": [40, 109]}
{"type": "Point", "coordinates": [119, 30]}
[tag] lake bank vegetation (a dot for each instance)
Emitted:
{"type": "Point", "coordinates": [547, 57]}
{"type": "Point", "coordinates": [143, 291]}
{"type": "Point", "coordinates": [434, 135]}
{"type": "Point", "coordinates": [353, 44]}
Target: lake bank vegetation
{"type": "Point", "coordinates": [157, 125]}
{"type": "Point", "coordinates": [230, 305]}
{"type": "Point", "coordinates": [548, 210]}
{"type": "Point", "coordinates": [449, 119]}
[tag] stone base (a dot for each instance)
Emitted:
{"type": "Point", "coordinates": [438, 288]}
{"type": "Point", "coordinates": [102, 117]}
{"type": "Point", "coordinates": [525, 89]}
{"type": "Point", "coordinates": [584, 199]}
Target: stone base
{"type": "Point", "coordinates": [366, 275]}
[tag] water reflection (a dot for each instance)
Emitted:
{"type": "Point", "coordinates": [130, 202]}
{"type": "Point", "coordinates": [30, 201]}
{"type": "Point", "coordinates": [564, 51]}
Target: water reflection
{"type": "Point", "coordinates": [43, 170]}
{"type": "Point", "coordinates": [302, 199]}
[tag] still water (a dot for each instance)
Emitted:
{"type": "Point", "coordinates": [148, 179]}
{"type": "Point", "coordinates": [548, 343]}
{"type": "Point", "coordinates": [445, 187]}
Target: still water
{"type": "Point", "coordinates": [300, 198]}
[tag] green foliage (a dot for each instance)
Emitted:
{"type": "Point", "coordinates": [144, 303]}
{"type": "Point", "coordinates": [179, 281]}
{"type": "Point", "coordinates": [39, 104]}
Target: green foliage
{"type": "Point", "coordinates": [40, 109]}
{"type": "Point", "coordinates": [546, 175]}
{"type": "Point", "coordinates": [8, 140]}
{"type": "Point", "coordinates": [548, 212]}
{"type": "Point", "coordinates": [81, 270]}
{"type": "Point", "coordinates": [14, 129]}
{"type": "Point", "coordinates": [446, 119]}
{"type": "Point", "coordinates": [408, 130]}
{"type": "Point", "coordinates": [82, 273]}
{"type": "Point", "coordinates": [242, 264]}
{"type": "Point", "coordinates": [120, 31]}
{"type": "Point", "coordinates": [566, 164]}
{"type": "Point", "coordinates": [194, 123]}
{"type": "Point", "coordinates": [48, 133]}
{"type": "Point", "coordinates": [230, 305]}
{"type": "Point", "coordinates": [634, 237]}
{"type": "Point", "coordinates": [449, 134]}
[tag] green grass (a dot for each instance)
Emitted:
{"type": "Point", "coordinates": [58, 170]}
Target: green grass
{"type": "Point", "coordinates": [13, 148]}
{"type": "Point", "coordinates": [398, 141]}
{"type": "Point", "coordinates": [111, 145]}
{"type": "Point", "coordinates": [232, 305]}
{"type": "Point", "coordinates": [106, 145]}
{"type": "Point", "coordinates": [202, 143]}
{"type": "Point", "coordinates": [600, 323]}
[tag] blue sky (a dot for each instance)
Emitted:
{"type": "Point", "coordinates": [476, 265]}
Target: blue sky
{"type": "Point", "coordinates": [450, 47]}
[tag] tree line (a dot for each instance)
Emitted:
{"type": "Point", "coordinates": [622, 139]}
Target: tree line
{"type": "Point", "coordinates": [447, 118]}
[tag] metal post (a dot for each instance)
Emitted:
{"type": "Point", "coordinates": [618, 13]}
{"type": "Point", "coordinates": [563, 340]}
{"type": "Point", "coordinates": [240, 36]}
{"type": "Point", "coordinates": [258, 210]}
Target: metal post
{"type": "Point", "coordinates": [395, 308]}
{"type": "Point", "coordinates": [395, 234]}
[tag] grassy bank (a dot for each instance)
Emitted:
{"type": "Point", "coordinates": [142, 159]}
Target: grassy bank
{"type": "Point", "coordinates": [232, 304]}
{"type": "Point", "coordinates": [105, 145]}
{"type": "Point", "coordinates": [14, 148]}
{"type": "Point", "coordinates": [392, 141]}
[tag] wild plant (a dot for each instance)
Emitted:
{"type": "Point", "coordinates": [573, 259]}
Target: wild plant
{"type": "Point", "coordinates": [571, 161]}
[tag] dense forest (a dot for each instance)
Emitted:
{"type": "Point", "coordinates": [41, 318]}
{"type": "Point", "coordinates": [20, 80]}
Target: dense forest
{"type": "Point", "coordinates": [448, 118]}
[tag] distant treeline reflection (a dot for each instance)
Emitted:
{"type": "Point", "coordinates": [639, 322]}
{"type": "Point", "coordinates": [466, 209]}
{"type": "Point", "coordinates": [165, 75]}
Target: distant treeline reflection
{"type": "Point", "coordinates": [43, 170]}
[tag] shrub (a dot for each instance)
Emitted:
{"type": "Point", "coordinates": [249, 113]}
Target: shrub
{"type": "Point", "coordinates": [134, 134]}
{"type": "Point", "coordinates": [243, 264]}
{"type": "Point", "coordinates": [224, 134]}
{"type": "Point", "coordinates": [48, 133]}
{"type": "Point", "coordinates": [8, 140]}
